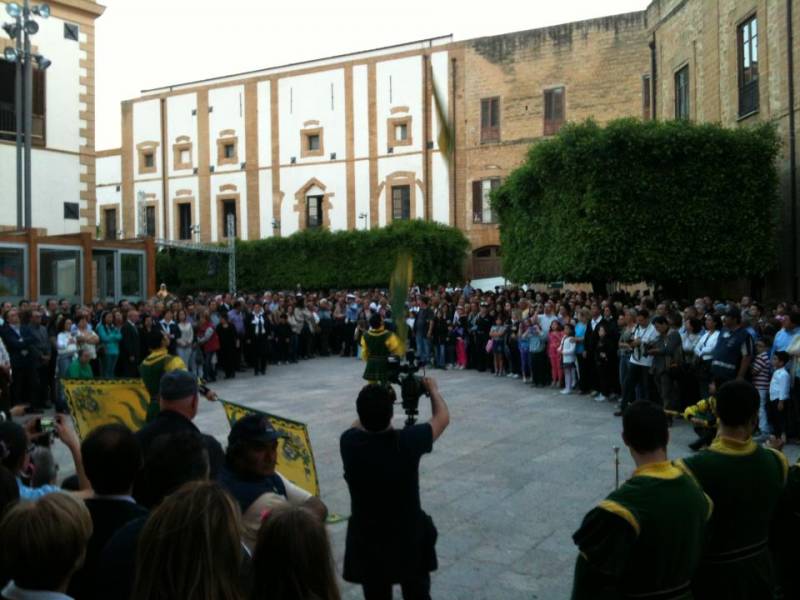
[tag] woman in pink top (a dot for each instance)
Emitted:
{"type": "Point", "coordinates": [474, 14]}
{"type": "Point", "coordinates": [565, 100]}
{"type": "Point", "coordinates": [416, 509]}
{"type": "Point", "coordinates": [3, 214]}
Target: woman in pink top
{"type": "Point", "coordinates": [553, 344]}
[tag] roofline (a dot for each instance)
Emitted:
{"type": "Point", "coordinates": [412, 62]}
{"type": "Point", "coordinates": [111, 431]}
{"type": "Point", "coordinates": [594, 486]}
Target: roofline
{"type": "Point", "coordinates": [443, 39]}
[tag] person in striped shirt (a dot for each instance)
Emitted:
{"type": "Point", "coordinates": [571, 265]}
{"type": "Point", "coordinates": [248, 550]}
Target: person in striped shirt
{"type": "Point", "coordinates": [761, 370]}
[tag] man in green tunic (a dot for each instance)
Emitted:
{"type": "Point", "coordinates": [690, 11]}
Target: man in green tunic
{"type": "Point", "coordinates": [376, 347]}
{"type": "Point", "coordinates": [746, 482]}
{"type": "Point", "coordinates": [157, 363]}
{"type": "Point", "coordinates": [646, 538]}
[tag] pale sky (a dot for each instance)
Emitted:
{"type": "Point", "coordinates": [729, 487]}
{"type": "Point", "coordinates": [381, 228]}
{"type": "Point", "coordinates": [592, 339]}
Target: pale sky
{"type": "Point", "coordinates": [142, 44]}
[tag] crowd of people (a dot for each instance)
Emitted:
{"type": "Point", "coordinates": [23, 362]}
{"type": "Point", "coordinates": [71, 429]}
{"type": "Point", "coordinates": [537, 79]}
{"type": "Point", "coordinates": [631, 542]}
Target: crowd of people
{"type": "Point", "coordinates": [166, 512]}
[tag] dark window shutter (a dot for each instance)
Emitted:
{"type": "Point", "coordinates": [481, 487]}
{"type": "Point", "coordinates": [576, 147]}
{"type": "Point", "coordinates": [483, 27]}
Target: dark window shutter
{"type": "Point", "coordinates": [38, 91]}
{"type": "Point", "coordinates": [477, 201]}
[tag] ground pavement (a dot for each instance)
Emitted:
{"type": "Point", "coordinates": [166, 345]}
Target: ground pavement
{"type": "Point", "coordinates": [507, 484]}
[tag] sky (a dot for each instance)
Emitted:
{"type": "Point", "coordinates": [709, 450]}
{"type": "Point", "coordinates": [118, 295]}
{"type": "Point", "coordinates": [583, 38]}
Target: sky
{"type": "Point", "coordinates": [142, 44]}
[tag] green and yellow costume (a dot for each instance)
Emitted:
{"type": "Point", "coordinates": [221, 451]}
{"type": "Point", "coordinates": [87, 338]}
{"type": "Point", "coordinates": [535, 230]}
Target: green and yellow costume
{"type": "Point", "coordinates": [376, 347]}
{"type": "Point", "coordinates": [745, 482]}
{"type": "Point", "coordinates": [157, 363]}
{"type": "Point", "coordinates": [786, 534]}
{"type": "Point", "coordinates": [645, 539]}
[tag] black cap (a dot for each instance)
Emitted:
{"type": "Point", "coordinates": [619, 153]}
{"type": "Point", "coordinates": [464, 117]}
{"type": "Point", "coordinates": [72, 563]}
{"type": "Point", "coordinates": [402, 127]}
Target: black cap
{"type": "Point", "coordinates": [177, 385]}
{"type": "Point", "coordinates": [253, 429]}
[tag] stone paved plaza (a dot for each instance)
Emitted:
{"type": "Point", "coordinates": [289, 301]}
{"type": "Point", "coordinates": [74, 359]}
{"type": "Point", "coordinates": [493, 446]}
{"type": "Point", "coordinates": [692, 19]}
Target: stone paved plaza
{"type": "Point", "coordinates": [507, 484]}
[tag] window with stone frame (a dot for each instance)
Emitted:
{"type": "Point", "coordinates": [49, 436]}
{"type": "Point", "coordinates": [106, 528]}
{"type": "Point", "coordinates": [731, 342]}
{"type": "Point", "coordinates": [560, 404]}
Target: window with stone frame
{"type": "Point", "coordinates": [481, 200]}
{"type": "Point", "coordinates": [401, 203]}
{"type": "Point", "coordinates": [747, 38]}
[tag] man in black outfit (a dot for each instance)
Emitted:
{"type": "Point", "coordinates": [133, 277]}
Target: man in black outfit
{"type": "Point", "coordinates": [112, 458]}
{"type": "Point", "coordinates": [257, 333]}
{"type": "Point", "coordinates": [130, 349]}
{"type": "Point", "coordinates": [390, 540]}
{"type": "Point", "coordinates": [20, 346]}
{"type": "Point", "coordinates": [178, 399]}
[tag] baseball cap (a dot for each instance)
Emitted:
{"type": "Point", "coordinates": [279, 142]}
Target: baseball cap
{"type": "Point", "coordinates": [253, 429]}
{"type": "Point", "coordinates": [177, 385]}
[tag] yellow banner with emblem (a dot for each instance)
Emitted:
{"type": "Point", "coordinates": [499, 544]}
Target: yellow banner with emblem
{"type": "Point", "coordinates": [95, 402]}
{"type": "Point", "coordinates": [295, 457]}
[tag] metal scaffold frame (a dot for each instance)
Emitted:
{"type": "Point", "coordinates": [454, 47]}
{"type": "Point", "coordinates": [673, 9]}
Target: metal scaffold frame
{"type": "Point", "coordinates": [230, 250]}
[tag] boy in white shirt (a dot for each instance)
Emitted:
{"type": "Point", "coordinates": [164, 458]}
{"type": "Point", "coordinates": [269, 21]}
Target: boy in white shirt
{"type": "Point", "coordinates": [779, 393]}
{"type": "Point", "coordinates": [568, 359]}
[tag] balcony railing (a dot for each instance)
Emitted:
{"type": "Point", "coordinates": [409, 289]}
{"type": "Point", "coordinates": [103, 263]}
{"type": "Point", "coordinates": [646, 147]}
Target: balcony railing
{"type": "Point", "coordinates": [8, 125]}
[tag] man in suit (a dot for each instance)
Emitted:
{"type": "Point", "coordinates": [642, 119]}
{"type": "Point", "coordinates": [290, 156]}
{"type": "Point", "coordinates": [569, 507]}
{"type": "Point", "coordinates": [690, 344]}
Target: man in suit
{"type": "Point", "coordinates": [258, 330]}
{"type": "Point", "coordinates": [19, 345]}
{"type": "Point", "coordinates": [112, 458]}
{"type": "Point", "coordinates": [129, 348]}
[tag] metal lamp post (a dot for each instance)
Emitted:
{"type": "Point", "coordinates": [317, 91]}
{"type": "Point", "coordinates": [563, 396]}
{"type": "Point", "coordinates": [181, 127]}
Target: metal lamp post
{"type": "Point", "coordinates": [20, 29]}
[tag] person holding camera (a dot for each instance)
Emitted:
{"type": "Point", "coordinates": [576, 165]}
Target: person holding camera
{"type": "Point", "coordinates": [15, 450]}
{"type": "Point", "coordinates": [390, 539]}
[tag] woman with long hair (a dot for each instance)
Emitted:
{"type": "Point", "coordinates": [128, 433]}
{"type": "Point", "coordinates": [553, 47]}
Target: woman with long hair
{"type": "Point", "coordinates": [191, 547]}
{"type": "Point", "coordinates": [292, 559]}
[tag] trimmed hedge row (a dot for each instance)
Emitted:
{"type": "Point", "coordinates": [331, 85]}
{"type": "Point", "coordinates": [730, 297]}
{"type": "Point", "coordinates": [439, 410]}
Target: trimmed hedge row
{"type": "Point", "coordinates": [319, 259]}
{"type": "Point", "coordinates": [669, 201]}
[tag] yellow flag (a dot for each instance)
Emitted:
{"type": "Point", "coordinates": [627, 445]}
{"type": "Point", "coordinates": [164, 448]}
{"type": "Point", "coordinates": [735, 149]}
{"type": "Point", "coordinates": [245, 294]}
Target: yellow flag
{"type": "Point", "coordinates": [445, 140]}
{"type": "Point", "coordinates": [295, 457]}
{"type": "Point", "coordinates": [95, 402]}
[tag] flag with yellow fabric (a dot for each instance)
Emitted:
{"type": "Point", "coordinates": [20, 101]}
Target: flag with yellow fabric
{"type": "Point", "coordinates": [295, 456]}
{"type": "Point", "coordinates": [95, 402]}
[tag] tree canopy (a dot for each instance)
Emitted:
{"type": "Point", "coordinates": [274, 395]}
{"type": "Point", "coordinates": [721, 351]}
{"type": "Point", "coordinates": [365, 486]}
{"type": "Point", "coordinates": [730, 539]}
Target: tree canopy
{"type": "Point", "coordinates": [632, 201]}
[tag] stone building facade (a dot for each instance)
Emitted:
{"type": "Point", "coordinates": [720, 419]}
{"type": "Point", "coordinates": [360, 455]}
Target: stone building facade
{"type": "Point", "coordinates": [352, 141]}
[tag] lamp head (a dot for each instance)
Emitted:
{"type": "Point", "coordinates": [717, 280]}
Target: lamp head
{"type": "Point", "coordinates": [11, 29]}
{"type": "Point", "coordinates": [42, 62]}
{"type": "Point", "coordinates": [43, 10]}
{"type": "Point", "coordinates": [10, 54]}
{"type": "Point", "coordinates": [14, 10]}
{"type": "Point", "coordinates": [31, 27]}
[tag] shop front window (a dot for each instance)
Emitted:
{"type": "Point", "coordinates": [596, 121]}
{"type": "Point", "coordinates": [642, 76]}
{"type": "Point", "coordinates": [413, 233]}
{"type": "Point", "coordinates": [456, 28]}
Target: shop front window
{"type": "Point", "coordinates": [60, 273]}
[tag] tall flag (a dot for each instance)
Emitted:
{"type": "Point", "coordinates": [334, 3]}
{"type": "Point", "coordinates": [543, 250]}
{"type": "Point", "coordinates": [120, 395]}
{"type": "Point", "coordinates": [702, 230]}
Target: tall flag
{"type": "Point", "coordinates": [398, 290]}
{"type": "Point", "coordinates": [446, 139]}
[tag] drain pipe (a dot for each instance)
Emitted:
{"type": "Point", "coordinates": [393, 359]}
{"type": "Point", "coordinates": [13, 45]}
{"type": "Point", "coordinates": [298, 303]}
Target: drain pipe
{"type": "Point", "coordinates": [792, 146]}
{"type": "Point", "coordinates": [653, 78]}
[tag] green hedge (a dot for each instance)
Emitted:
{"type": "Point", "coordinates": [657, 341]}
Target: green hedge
{"type": "Point", "coordinates": [656, 201]}
{"type": "Point", "coordinates": [319, 259]}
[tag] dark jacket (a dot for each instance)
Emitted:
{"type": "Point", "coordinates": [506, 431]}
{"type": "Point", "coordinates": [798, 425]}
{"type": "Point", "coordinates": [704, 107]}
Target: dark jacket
{"type": "Point", "coordinates": [108, 516]}
{"type": "Point", "coordinates": [19, 346]}
{"type": "Point", "coordinates": [129, 352]}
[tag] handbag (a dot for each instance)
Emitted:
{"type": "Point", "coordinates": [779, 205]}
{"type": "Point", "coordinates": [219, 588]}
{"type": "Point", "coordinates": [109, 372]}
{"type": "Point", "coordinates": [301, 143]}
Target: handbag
{"type": "Point", "coordinates": [489, 346]}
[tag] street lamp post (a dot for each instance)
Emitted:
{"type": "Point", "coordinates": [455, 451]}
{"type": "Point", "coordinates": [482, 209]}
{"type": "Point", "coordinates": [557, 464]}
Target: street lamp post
{"type": "Point", "coordinates": [20, 31]}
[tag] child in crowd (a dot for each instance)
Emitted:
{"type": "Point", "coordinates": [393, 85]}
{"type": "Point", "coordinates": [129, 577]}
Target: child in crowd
{"type": "Point", "coordinates": [525, 334]}
{"type": "Point", "coordinates": [777, 406]}
{"type": "Point", "coordinates": [554, 337]}
{"type": "Point", "coordinates": [540, 370]}
{"type": "Point", "coordinates": [461, 347]}
{"type": "Point", "coordinates": [762, 374]}
{"type": "Point", "coordinates": [567, 349]}
{"type": "Point", "coordinates": [498, 337]}
{"type": "Point", "coordinates": [703, 416]}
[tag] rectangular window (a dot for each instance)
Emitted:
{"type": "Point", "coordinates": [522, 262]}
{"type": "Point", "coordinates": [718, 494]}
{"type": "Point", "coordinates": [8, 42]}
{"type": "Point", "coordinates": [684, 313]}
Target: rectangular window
{"type": "Point", "coordinates": [646, 97]}
{"type": "Point", "coordinates": [401, 203]}
{"type": "Point", "coordinates": [12, 266]}
{"type": "Point", "coordinates": [186, 157]}
{"type": "Point", "coordinates": [149, 160]}
{"type": "Point", "coordinates": [132, 275]}
{"type": "Point", "coordinates": [490, 120]}
{"type": "Point", "coordinates": [313, 142]}
{"type": "Point", "coordinates": [228, 210]}
{"type": "Point", "coordinates": [229, 151]}
{"type": "Point", "coordinates": [554, 110]}
{"type": "Point", "coordinates": [482, 201]}
{"type": "Point", "coordinates": [8, 119]}
{"type": "Point", "coordinates": [72, 210]}
{"type": "Point", "coordinates": [71, 32]}
{"type": "Point", "coordinates": [60, 273]}
{"type": "Point", "coordinates": [313, 212]}
{"type": "Point", "coordinates": [111, 224]}
{"type": "Point", "coordinates": [682, 93]}
{"type": "Point", "coordinates": [748, 66]}
{"type": "Point", "coordinates": [150, 220]}
{"type": "Point", "coordinates": [401, 132]}
{"type": "Point", "coordinates": [185, 221]}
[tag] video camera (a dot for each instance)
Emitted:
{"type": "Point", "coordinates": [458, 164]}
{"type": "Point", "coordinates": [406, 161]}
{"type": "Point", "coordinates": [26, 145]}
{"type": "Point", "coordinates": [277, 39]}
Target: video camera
{"type": "Point", "coordinates": [403, 373]}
